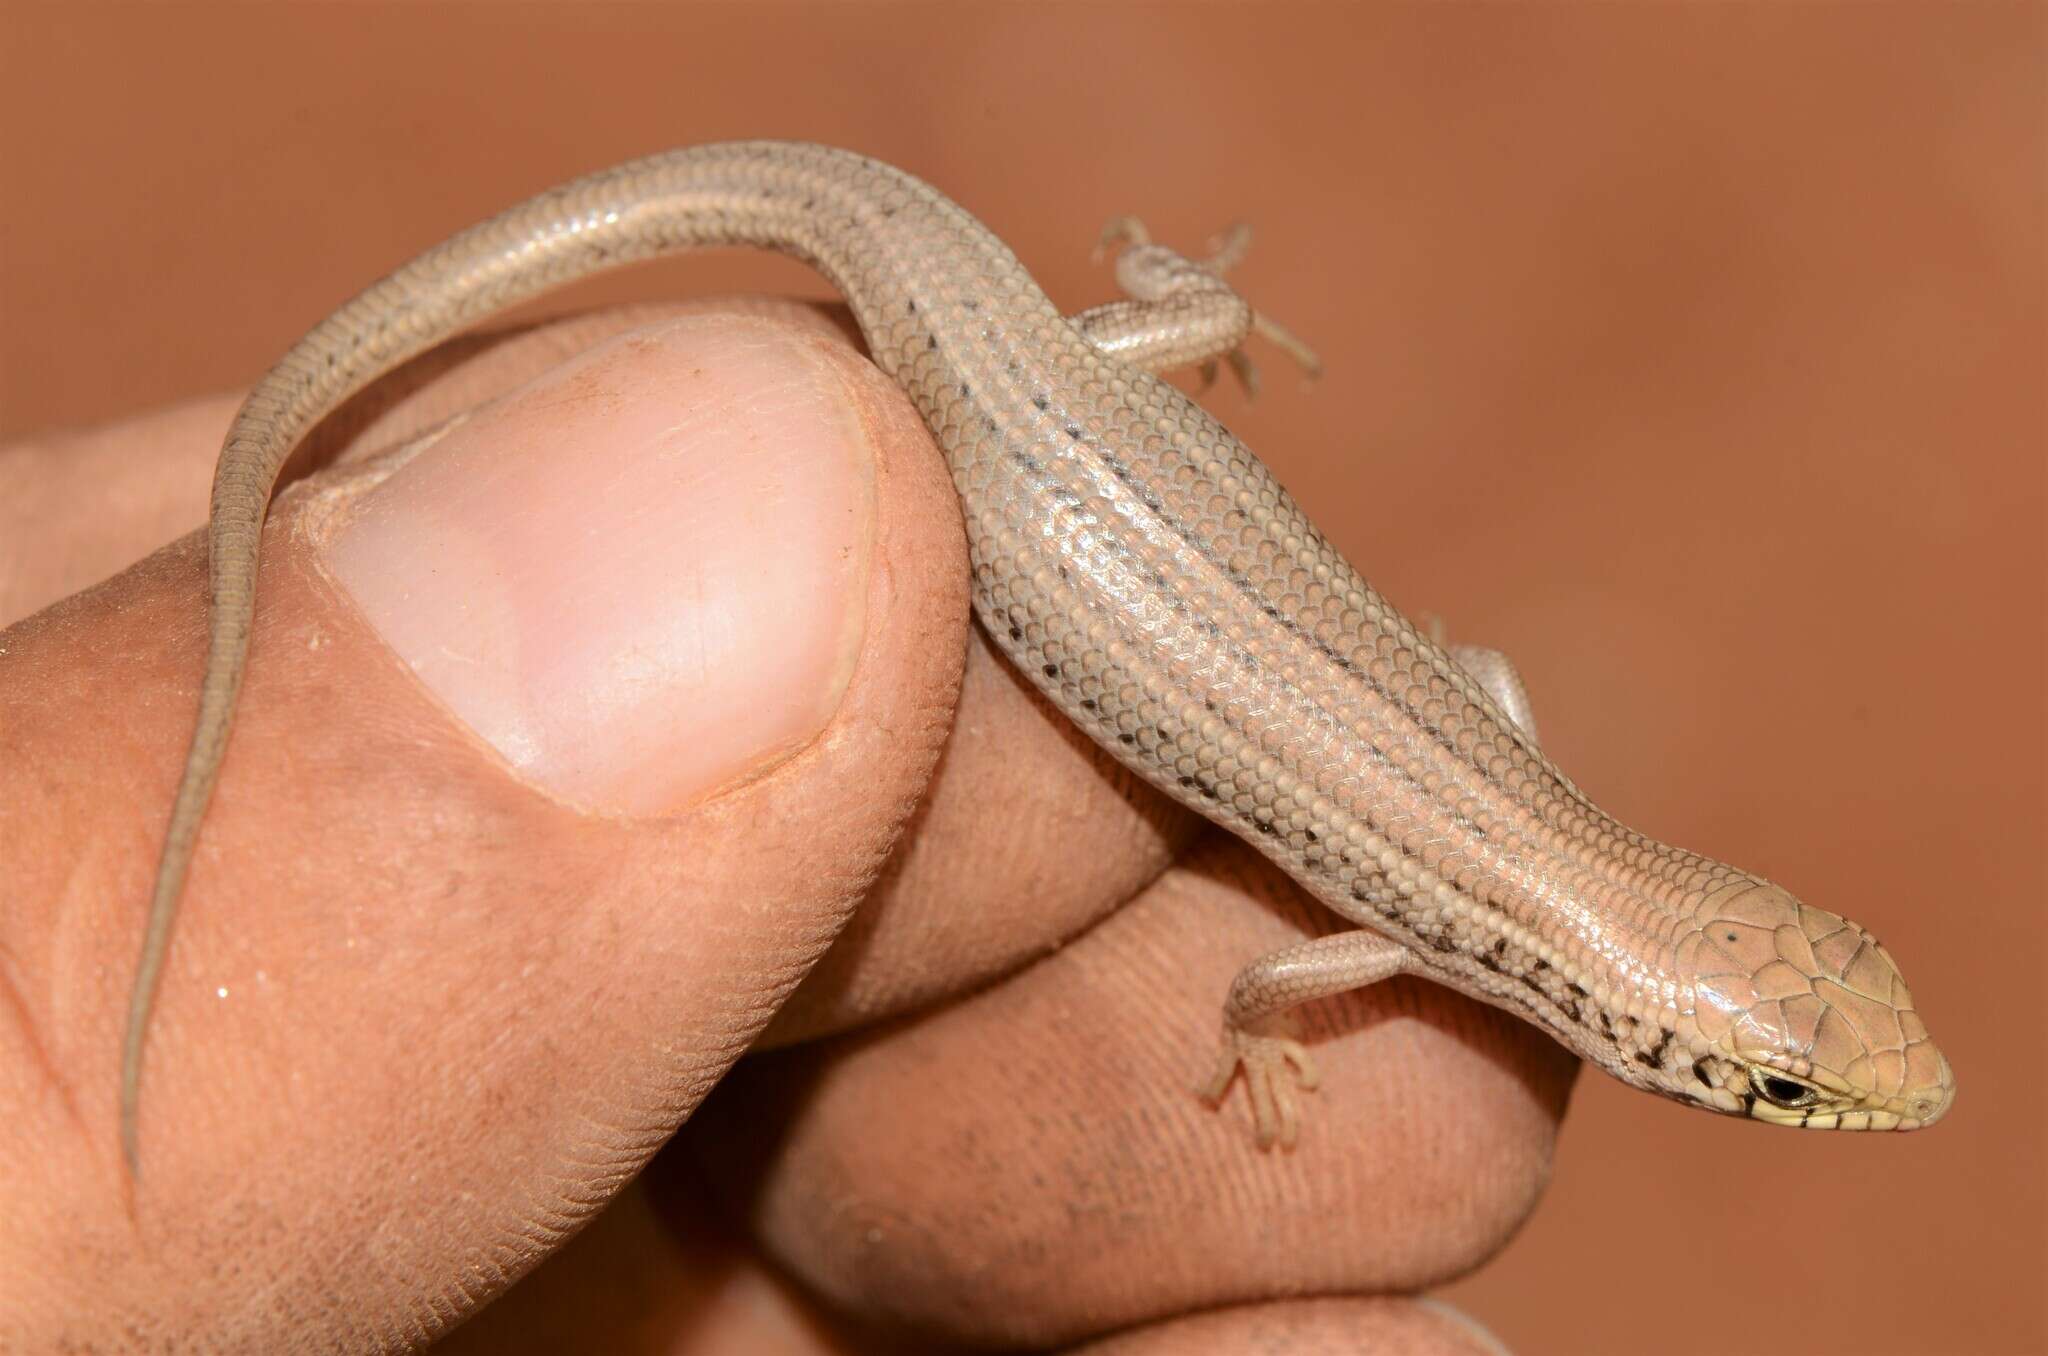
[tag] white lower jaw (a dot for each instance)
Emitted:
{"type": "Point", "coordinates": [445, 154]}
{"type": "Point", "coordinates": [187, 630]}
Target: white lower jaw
{"type": "Point", "coordinates": [1833, 1120]}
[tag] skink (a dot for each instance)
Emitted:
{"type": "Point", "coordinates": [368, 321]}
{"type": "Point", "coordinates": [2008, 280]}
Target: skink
{"type": "Point", "coordinates": [1146, 571]}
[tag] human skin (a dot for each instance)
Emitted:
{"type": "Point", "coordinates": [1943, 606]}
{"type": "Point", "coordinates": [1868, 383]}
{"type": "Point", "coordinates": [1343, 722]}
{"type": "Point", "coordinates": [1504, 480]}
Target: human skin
{"type": "Point", "coordinates": [529, 830]}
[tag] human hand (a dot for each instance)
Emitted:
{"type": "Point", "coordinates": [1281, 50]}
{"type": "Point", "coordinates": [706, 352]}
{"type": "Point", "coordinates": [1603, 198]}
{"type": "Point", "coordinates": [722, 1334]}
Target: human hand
{"type": "Point", "coordinates": [573, 735]}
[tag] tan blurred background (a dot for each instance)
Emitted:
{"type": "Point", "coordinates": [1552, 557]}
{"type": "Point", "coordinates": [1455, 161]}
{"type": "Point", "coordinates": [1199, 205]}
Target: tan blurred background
{"type": "Point", "coordinates": [1692, 353]}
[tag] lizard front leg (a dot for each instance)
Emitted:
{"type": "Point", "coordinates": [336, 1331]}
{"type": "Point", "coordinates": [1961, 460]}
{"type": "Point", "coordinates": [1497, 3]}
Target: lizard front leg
{"type": "Point", "coordinates": [1275, 1065]}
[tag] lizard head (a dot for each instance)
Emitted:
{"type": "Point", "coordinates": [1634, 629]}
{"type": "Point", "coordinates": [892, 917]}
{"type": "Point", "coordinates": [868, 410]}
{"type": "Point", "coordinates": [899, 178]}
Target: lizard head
{"type": "Point", "coordinates": [1806, 1019]}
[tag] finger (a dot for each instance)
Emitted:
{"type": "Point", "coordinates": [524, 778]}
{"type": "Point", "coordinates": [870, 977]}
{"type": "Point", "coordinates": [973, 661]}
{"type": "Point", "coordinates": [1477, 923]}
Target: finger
{"type": "Point", "coordinates": [640, 1281]}
{"type": "Point", "coordinates": [1028, 1166]}
{"type": "Point", "coordinates": [566, 745]}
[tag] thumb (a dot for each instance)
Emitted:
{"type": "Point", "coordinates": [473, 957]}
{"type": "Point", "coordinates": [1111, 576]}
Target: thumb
{"type": "Point", "coordinates": [570, 735]}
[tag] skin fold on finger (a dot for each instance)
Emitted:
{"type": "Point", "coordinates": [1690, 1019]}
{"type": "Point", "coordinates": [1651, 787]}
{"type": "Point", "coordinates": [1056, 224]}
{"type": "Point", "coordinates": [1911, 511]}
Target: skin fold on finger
{"type": "Point", "coordinates": [1318, 1327]}
{"type": "Point", "coordinates": [1031, 1166]}
{"type": "Point", "coordinates": [420, 1020]}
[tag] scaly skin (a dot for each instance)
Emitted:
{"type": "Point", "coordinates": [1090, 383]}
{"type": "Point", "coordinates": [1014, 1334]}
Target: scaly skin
{"type": "Point", "coordinates": [1146, 571]}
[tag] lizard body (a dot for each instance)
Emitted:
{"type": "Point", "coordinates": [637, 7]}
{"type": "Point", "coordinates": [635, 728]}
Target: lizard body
{"type": "Point", "coordinates": [1147, 572]}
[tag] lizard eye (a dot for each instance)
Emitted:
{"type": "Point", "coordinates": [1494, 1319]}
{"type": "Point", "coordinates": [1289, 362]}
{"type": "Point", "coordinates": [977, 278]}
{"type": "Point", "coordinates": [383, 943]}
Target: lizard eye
{"type": "Point", "coordinates": [1784, 1092]}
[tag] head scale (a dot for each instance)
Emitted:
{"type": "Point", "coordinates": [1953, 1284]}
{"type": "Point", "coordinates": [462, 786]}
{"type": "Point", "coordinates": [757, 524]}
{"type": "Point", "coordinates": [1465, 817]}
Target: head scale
{"type": "Point", "coordinates": [1805, 1019]}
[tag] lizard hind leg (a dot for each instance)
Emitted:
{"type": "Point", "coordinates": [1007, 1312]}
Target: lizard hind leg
{"type": "Point", "coordinates": [1179, 312]}
{"type": "Point", "coordinates": [1275, 1065]}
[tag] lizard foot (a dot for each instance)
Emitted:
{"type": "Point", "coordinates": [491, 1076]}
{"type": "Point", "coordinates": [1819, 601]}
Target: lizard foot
{"type": "Point", "coordinates": [1274, 1067]}
{"type": "Point", "coordinates": [1180, 310]}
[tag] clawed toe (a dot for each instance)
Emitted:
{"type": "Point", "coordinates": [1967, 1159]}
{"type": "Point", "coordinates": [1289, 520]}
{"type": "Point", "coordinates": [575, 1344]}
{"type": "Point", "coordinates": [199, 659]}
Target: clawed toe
{"type": "Point", "coordinates": [1246, 371]}
{"type": "Point", "coordinates": [1274, 1067]}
